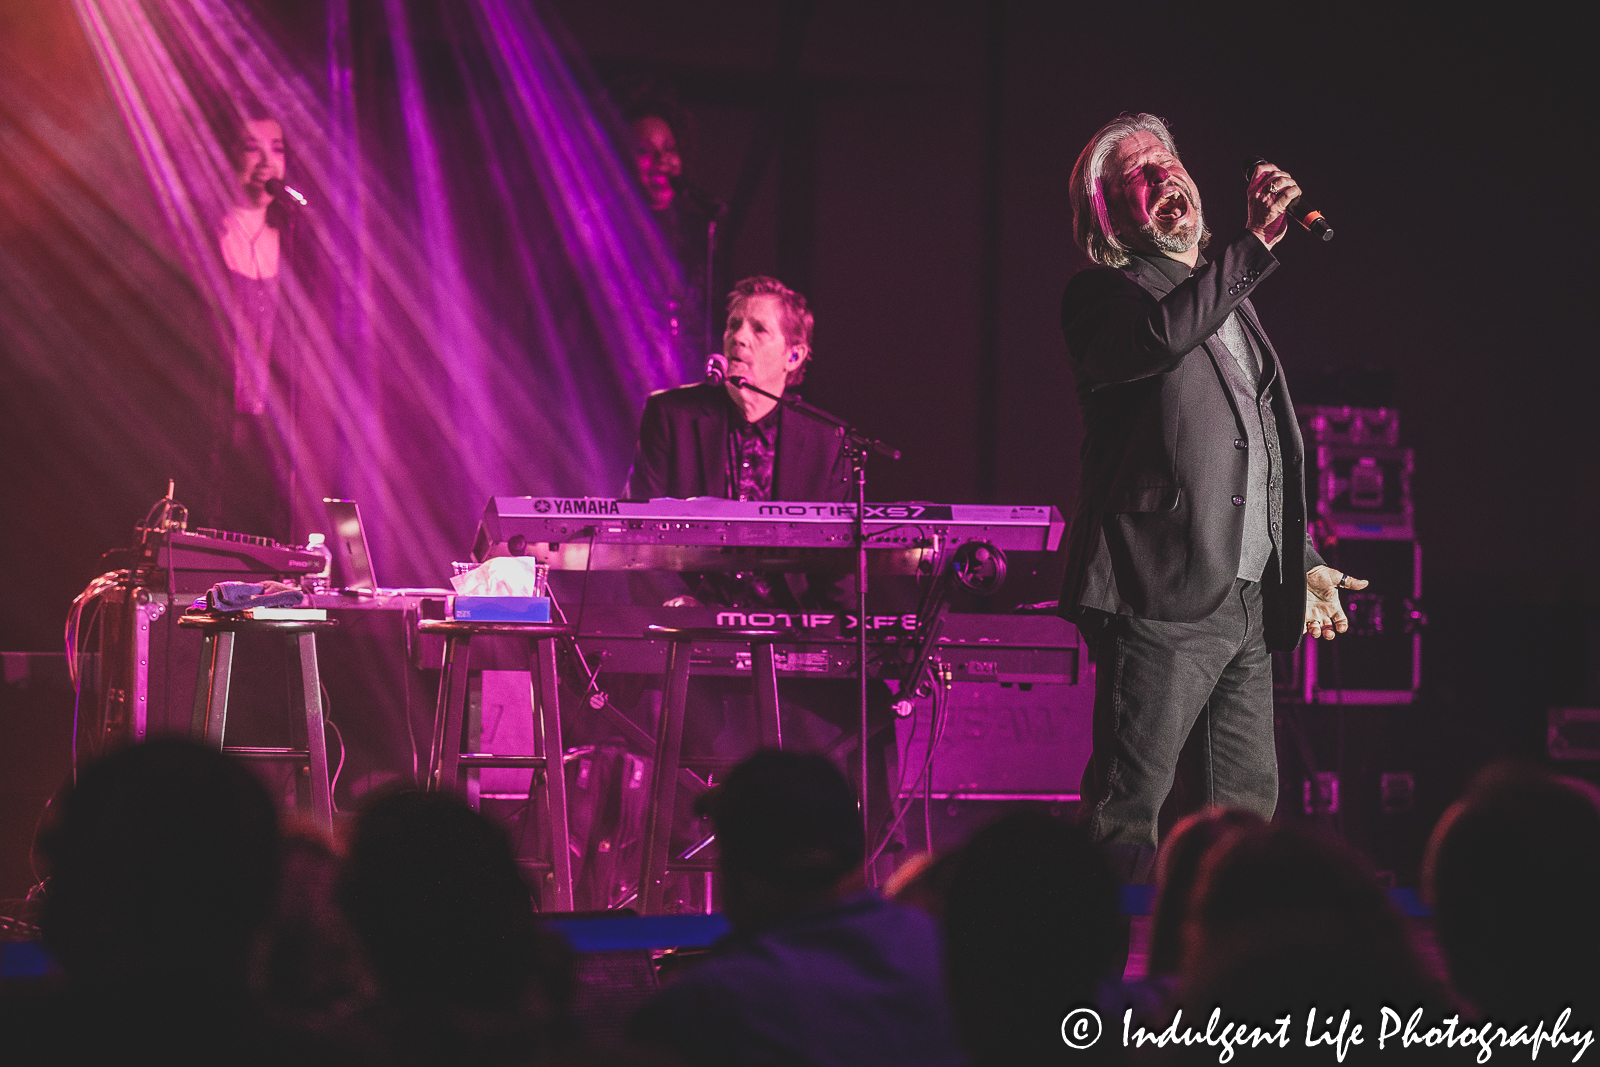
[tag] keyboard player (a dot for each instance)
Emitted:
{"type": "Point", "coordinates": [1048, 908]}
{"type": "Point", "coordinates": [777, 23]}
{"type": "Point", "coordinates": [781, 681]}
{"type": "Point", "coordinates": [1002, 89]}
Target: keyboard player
{"type": "Point", "coordinates": [724, 441]}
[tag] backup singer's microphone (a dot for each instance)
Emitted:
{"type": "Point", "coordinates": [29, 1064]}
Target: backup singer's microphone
{"type": "Point", "coordinates": [713, 206]}
{"type": "Point", "coordinates": [1310, 218]}
{"type": "Point", "coordinates": [279, 190]}
{"type": "Point", "coordinates": [716, 368]}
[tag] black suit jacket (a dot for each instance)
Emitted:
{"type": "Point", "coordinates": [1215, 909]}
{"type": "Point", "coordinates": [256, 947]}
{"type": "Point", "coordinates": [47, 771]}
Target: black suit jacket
{"type": "Point", "coordinates": [1157, 533]}
{"type": "Point", "coordinates": [683, 450]}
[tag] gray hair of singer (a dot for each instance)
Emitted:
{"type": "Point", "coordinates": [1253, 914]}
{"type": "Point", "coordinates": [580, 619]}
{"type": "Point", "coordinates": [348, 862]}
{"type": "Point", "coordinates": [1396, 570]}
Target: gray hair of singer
{"type": "Point", "coordinates": [1091, 221]}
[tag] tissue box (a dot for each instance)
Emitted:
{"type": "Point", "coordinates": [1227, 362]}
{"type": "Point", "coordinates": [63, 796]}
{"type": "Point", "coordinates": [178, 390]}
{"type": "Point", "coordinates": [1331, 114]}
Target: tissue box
{"type": "Point", "coordinates": [502, 608]}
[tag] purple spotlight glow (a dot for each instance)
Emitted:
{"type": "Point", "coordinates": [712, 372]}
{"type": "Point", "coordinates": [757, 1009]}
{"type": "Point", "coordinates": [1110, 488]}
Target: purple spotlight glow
{"type": "Point", "coordinates": [467, 306]}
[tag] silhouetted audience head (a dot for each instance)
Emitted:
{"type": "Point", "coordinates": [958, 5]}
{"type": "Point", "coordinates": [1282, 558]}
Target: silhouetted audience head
{"type": "Point", "coordinates": [1513, 871]}
{"type": "Point", "coordinates": [163, 869]}
{"type": "Point", "coordinates": [163, 873]}
{"type": "Point", "coordinates": [815, 971]}
{"type": "Point", "coordinates": [788, 832]}
{"type": "Point", "coordinates": [1032, 926]}
{"type": "Point", "coordinates": [1177, 868]}
{"type": "Point", "coordinates": [1282, 920]}
{"type": "Point", "coordinates": [434, 892]}
{"type": "Point", "coordinates": [313, 971]}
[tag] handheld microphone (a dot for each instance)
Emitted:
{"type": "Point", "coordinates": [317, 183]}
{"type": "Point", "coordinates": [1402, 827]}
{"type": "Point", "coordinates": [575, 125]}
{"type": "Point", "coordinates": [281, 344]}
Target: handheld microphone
{"type": "Point", "coordinates": [279, 190]}
{"type": "Point", "coordinates": [1310, 218]}
{"type": "Point", "coordinates": [716, 368]}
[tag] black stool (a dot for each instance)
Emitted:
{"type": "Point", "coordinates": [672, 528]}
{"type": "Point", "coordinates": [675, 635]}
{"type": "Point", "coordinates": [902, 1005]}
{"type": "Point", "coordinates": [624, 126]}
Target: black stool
{"type": "Point", "coordinates": [446, 760]}
{"type": "Point", "coordinates": [210, 720]}
{"type": "Point", "coordinates": [669, 740]}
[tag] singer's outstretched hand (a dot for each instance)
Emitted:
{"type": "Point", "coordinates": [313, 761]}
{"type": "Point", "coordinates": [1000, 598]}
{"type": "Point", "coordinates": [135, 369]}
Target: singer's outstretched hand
{"type": "Point", "coordinates": [1268, 197]}
{"type": "Point", "coordinates": [1324, 615]}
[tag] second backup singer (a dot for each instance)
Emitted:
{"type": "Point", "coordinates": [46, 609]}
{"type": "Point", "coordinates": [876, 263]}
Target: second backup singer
{"type": "Point", "coordinates": [724, 441]}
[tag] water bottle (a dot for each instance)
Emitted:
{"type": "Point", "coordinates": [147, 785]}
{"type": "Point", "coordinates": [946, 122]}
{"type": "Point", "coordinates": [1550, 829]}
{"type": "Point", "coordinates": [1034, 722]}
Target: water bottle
{"type": "Point", "coordinates": [318, 582]}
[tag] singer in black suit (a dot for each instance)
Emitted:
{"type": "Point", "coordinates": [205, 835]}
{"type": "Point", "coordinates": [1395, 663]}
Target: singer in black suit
{"type": "Point", "coordinates": [724, 441]}
{"type": "Point", "coordinates": [1189, 559]}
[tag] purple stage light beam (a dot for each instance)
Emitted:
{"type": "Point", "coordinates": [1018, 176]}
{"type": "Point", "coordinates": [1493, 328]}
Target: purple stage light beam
{"type": "Point", "coordinates": [429, 394]}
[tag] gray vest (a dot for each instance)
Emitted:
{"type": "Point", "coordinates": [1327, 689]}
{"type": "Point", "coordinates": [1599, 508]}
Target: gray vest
{"type": "Point", "coordinates": [1263, 497]}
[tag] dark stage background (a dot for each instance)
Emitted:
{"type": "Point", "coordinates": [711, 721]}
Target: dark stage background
{"type": "Point", "coordinates": [907, 165]}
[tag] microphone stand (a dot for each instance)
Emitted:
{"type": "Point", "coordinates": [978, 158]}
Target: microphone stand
{"type": "Point", "coordinates": [721, 209]}
{"type": "Point", "coordinates": [291, 201]}
{"type": "Point", "coordinates": [858, 447]}
{"type": "Point", "coordinates": [294, 356]}
{"type": "Point", "coordinates": [715, 211]}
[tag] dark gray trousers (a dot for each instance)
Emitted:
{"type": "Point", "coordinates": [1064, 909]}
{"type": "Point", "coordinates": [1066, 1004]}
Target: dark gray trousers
{"type": "Point", "coordinates": [1154, 683]}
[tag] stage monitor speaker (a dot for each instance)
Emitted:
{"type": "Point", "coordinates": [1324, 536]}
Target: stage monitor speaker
{"type": "Point", "coordinates": [1003, 741]}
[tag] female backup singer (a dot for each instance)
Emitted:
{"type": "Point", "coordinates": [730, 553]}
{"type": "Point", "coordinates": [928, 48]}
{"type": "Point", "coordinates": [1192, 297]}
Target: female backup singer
{"type": "Point", "coordinates": [250, 464]}
{"type": "Point", "coordinates": [658, 128]}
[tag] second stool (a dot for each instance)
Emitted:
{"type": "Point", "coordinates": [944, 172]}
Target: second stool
{"type": "Point", "coordinates": [446, 759]}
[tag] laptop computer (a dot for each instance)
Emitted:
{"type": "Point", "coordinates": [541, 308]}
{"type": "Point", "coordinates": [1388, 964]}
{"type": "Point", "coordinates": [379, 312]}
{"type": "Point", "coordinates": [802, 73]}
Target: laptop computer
{"type": "Point", "coordinates": [352, 559]}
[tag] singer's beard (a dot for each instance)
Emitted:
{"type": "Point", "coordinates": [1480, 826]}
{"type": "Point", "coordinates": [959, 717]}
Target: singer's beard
{"type": "Point", "coordinates": [1190, 233]}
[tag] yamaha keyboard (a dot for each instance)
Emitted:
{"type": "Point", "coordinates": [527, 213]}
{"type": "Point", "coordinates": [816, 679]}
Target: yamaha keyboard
{"type": "Point", "coordinates": [709, 533]}
{"type": "Point", "coordinates": [1008, 649]}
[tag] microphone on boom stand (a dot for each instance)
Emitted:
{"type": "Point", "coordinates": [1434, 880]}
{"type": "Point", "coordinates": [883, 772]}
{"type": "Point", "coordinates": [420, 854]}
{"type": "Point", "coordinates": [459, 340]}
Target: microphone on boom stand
{"type": "Point", "coordinates": [279, 191]}
{"type": "Point", "coordinates": [716, 368]}
{"type": "Point", "coordinates": [857, 447]}
{"type": "Point", "coordinates": [714, 207]}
